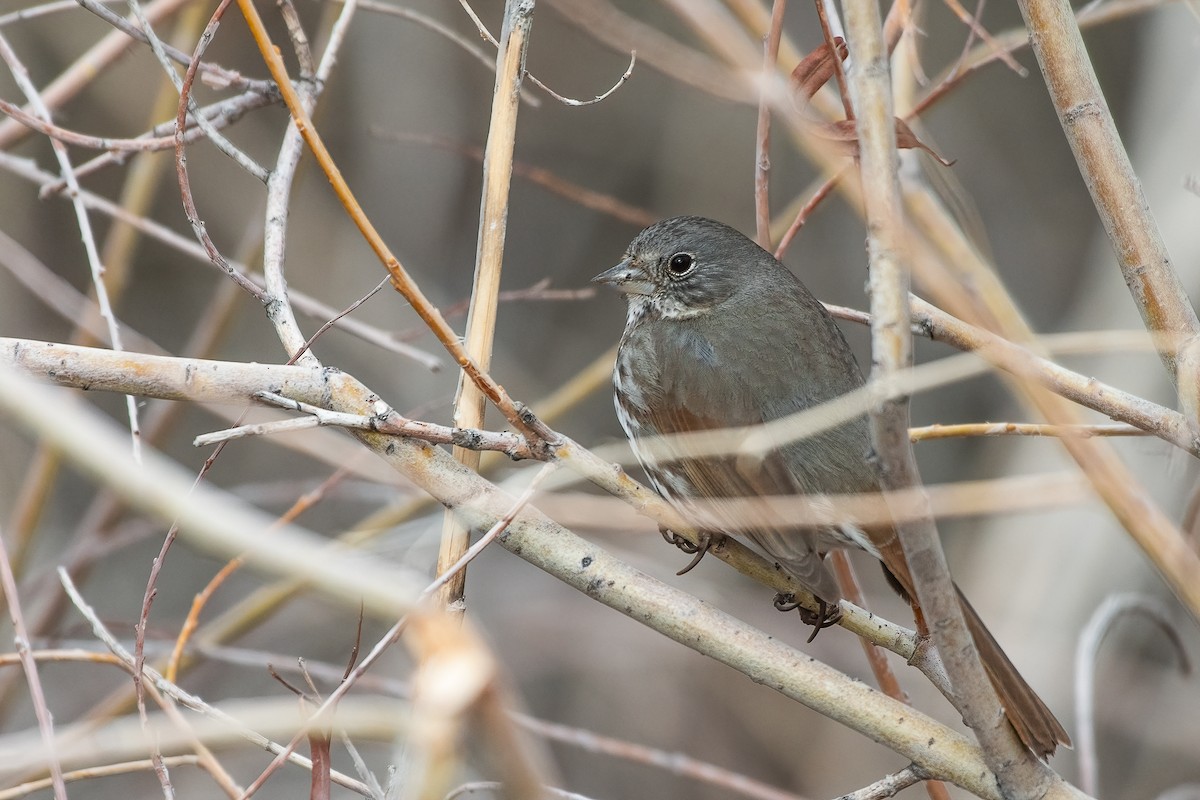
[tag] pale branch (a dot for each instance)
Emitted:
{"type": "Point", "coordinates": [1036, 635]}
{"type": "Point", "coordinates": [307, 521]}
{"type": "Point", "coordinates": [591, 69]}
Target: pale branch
{"type": "Point", "coordinates": [470, 399]}
{"type": "Point", "coordinates": [1019, 773]}
{"type": "Point", "coordinates": [1108, 173]}
{"type": "Point", "coordinates": [163, 489]}
{"type": "Point", "coordinates": [386, 420]}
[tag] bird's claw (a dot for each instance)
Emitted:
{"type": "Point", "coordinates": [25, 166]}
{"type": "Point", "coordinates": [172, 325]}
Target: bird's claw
{"type": "Point", "coordinates": [698, 549]}
{"type": "Point", "coordinates": [825, 616]}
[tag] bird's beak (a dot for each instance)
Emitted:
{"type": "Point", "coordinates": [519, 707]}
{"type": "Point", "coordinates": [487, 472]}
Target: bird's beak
{"type": "Point", "coordinates": [627, 278]}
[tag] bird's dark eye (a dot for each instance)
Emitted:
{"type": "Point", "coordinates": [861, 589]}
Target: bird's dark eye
{"type": "Point", "coordinates": [681, 264]}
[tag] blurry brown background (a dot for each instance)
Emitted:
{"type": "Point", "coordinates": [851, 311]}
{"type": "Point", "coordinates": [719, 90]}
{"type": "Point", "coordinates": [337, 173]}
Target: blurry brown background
{"type": "Point", "coordinates": [667, 148]}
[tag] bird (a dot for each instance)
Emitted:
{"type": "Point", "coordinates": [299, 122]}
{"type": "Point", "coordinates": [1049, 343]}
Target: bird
{"type": "Point", "coordinates": [719, 334]}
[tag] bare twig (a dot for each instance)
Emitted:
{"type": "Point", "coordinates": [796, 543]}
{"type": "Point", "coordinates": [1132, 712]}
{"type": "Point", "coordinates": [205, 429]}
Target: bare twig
{"type": "Point", "coordinates": [977, 30]}
{"type": "Point", "coordinates": [21, 75]}
{"type": "Point", "coordinates": [181, 169]}
{"type": "Point", "coordinates": [548, 180]}
{"type": "Point", "coordinates": [496, 530]}
{"type": "Point", "coordinates": [37, 697]}
{"type": "Point", "coordinates": [486, 35]}
{"type": "Point", "coordinates": [1018, 772]}
{"type": "Point", "coordinates": [99, 771]}
{"type": "Point", "coordinates": [386, 421]}
{"type": "Point", "coordinates": [1087, 651]}
{"type": "Point", "coordinates": [806, 210]}
{"type": "Point", "coordinates": [305, 304]}
{"type": "Point", "coordinates": [939, 431]}
{"type": "Point", "coordinates": [184, 698]}
{"type": "Point", "coordinates": [762, 147]}
{"type": "Point", "coordinates": [1145, 264]}
{"type": "Point", "coordinates": [889, 785]}
{"type": "Point", "coordinates": [210, 131]}
{"type": "Point", "coordinates": [520, 416]}
{"type": "Point", "coordinates": [469, 401]}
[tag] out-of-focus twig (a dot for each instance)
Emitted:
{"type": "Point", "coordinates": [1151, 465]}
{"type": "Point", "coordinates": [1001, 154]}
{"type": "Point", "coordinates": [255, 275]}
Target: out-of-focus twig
{"type": "Point", "coordinates": [1087, 651]}
{"type": "Point", "coordinates": [21, 76]}
{"type": "Point", "coordinates": [547, 179]}
{"type": "Point", "coordinates": [37, 697]}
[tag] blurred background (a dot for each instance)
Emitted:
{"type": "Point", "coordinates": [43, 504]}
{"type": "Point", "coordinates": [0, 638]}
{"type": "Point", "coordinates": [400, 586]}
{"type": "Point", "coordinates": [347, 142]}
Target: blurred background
{"type": "Point", "coordinates": [405, 114]}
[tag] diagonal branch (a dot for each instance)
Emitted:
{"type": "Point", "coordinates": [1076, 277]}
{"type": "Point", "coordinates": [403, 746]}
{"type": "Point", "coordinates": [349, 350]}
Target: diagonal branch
{"type": "Point", "coordinates": [1090, 130]}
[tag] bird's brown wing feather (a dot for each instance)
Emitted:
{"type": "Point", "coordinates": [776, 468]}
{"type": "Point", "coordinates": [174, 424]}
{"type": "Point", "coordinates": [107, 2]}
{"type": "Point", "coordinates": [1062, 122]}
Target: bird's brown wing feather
{"type": "Point", "coordinates": [714, 478]}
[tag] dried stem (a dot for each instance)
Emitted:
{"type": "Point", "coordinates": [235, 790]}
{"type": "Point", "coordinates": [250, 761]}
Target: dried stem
{"type": "Point", "coordinates": [1018, 772]}
{"type": "Point", "coordinates": [523, 419]}
{"type": "Point", "coordinates": [762, 157]}
{"type": "Point", "coordinates": [469, 404]}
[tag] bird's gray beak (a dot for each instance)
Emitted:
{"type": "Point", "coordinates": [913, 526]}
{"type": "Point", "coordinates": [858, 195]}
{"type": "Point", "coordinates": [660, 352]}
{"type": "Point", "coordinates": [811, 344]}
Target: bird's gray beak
{"type": "Point", "coordinates": [627, 278]}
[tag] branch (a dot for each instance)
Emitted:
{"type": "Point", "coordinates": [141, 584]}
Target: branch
{"type": "Point", "coordinates": [1090, 130]}
{"type": "Point", "coordinates": [165, 490]}
{"type": "Point", "coordinates": [1018, 772]}
{"type": "Point", "coordinates": [469, 401]}
{"type": "Point", "coordinates": [520, 416]}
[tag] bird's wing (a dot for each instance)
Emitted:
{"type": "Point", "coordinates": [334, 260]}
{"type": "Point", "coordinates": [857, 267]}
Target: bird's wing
{"type": "Point", "coordinates": [684, 477]}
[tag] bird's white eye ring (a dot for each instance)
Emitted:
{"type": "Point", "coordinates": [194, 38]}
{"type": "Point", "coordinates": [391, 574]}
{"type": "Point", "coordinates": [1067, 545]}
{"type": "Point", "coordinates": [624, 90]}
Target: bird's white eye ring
{"type": "Point", "coordinates": [681, 264]}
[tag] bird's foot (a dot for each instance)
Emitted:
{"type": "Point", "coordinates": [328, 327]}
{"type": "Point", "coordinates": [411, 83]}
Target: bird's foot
{"type": "Point", "coordinates": [825, 616]}
{"type": "Point", "coordinates": [698, 549]}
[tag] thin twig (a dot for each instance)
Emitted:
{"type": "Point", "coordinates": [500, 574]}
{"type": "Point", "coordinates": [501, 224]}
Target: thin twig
{"type": "Point", "coordinates": [210, 131]}
{"type": "Point", "coordinates": [1087, 652]}
{"type": "Point", "coordinates": [37, 697]}
{"type": "Point", "coordinates": [386, 421]}
{"type": "Point", "coordinates": [21, 76]}
{"type": "Point", "coordinates": [305, 304]}
{"type": "Point", "coordinates": [520, 416]}
{"type": "Point", "coordinates": [101, 770]}
{"type": "Point", "coordinates": [890, 785]}
{"type": "Point", "coordinates": [184, 698]}
{"type": "Point", "coordinates": [496, 530]}
{"type": "Point", "coordinates": [977, 29]}
{"type": "Point", "coordinates": [548, 180]}
{"type": "Point", "coordinates": [181, 170]}
{"type": "Point", "coordinates": [486, 35]}
{"type": "Point", "coordinates": [806, 210]}
{"type": "Point", "coordinates": [939, 431]}
{"type": "Point", "coordinates": [762, 141]}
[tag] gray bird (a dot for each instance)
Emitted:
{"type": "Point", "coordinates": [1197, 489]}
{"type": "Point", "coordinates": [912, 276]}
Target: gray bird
{"type": "Point", "coordinates": [719, 334]}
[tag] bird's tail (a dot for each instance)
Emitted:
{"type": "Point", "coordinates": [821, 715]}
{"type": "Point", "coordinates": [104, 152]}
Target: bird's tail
{"type": "Point", "coordinates": [1034, 723]}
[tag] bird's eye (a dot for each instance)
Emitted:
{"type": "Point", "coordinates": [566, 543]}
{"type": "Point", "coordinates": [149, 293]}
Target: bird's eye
{"type": "Point", "coordinates": [681, 264]}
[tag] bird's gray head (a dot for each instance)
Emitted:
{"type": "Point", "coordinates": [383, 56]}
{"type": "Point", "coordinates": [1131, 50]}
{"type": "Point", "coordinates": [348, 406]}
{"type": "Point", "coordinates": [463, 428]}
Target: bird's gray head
{"type": "Point", "coordinates": [684, 266]}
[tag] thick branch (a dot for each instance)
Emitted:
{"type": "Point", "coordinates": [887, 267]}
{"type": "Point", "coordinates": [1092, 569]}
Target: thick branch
{"type": "Point", "coordinates": [166, 490]}
{"type": "Point", "coordinates": [1019, 773]}
{"type": "Point", "coordinates": [1108, 173]}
